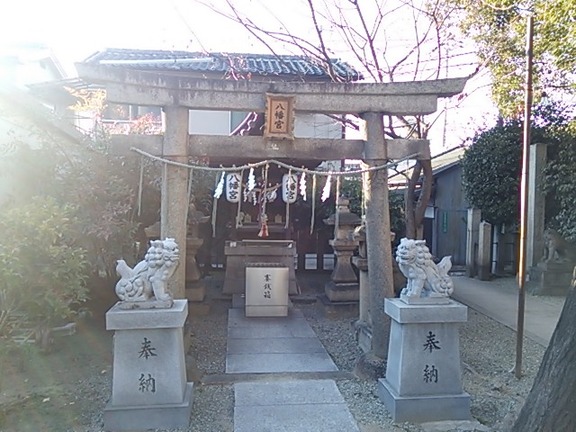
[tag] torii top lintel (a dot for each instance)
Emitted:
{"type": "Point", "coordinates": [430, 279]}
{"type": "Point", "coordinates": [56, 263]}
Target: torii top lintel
{"type": "Point", "coordinates": [160, 89]}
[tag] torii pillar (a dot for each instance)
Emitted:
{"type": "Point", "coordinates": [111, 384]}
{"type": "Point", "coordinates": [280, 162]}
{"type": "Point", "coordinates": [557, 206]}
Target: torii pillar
{"type": "Point", "coordinates": [174, 201]}
{"type": "Point", "coordinates": [380, 276]}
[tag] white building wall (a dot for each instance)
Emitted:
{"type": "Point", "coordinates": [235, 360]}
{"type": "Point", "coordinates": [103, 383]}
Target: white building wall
{"type": "Point", "coordinates": [209, 122]}
{"type": "Point", "coordinates": [305, 125]}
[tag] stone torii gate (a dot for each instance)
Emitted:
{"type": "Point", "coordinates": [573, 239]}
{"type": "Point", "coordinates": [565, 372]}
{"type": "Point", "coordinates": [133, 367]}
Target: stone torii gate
{"type": "Point", "coordinates": [371, 101]}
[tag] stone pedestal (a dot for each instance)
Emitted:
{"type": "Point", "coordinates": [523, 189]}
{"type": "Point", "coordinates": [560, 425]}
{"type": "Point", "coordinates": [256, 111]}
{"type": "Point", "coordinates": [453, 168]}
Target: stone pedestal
{"type": "Point", "coordinates": [484, 246]}
{"type": "Point", "coordinates": [343, 286]}
{"type": "Point", "coordinates": [472, 237]}
{"type": "Point", "coordinates": [551, 278]}
{"type": "Point", "coordinates": [423, 377]}
{"type": "Point", "coordinates": [149, 388]}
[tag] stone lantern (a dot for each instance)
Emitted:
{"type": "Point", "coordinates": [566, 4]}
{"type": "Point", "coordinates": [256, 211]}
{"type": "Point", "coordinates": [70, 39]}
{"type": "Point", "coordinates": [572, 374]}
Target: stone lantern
{"type": "Point", "coordinates": [343, 284]}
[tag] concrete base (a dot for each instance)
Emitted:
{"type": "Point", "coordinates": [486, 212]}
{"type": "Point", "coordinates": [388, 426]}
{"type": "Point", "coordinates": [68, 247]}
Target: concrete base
{"type": "Point", "coordinates": [166, 416]}
{"type": "Point", "coordinates": [551, 278]}
{"type": "Point", "coordinates": [420, 409]}
{"type": "Point", "coordinates": [345, 292]}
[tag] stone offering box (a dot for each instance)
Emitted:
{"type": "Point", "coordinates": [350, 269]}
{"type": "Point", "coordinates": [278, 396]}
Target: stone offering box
{"type": "Point", "coordinates": [423, 376]}
{"type": "Point", "coordinates": [149, 388]}
{"type": "Point", "coordinates": [274, 252]}
{"type": "Point", "coordinates": [266, 290]}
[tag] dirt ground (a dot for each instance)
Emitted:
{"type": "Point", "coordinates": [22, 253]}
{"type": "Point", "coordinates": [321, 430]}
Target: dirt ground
{"type": "Point", "coordinates": [41, 391]}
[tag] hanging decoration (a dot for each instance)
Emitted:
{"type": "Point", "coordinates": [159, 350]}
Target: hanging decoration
{"type": "Point", "coordinates": [258, 191]}
{"type": "Point", "coordinates": [262, 216]}
{"type": "Point", "coordinates": [215, 205]}
{"type": "Point", "coordinates": [271, 194]}
{"type": "Point", "coordinates": [251, 180]}
{"type": "Point", "coordinates": [220, 186]}
{"type": "Point", "coordinates": [140, 185]}
{"type": "Point", "coordinates": [337, 213]}
{"type": "Point", "coordinates": [303, 185]}
{"type": "Point", "coordinates": [313, 204]}
{"type": "Point", "coordinates": [289, 187]}
{"type": "Point", "coordinates": [327, 187]}
{"type": "Point", "coordinates": [251, 196]}
{"type": "Point", "coordinates": [363, 195]}
{"type": "Point", "coordinates": [233, 186]}
{"type": "Point", "coordinates": [190, 180]}
{"type": "Point", "coordinates": [274, 161]}
{"type": "Point", "coordinates": [263, 233]}
{"type": "Point", "coordinates": [239, 214]}
{"type": "Point", "coordinates": [289, 193]}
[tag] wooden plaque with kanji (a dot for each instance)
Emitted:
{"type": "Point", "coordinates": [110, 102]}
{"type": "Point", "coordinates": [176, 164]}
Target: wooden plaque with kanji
{"type": "Point", "coordinates": [279, 116]}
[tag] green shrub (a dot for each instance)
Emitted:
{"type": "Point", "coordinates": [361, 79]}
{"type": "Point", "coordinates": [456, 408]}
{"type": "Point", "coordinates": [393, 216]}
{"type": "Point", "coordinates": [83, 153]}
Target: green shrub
{"type": "Point", "coordinates": [42, 271]}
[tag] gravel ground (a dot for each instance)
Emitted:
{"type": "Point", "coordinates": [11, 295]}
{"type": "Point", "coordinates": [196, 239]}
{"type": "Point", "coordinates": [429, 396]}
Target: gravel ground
{"type": "Point", "coordinates": [487, 348]}
{"type": "Point", "coordinates": [488, 356]}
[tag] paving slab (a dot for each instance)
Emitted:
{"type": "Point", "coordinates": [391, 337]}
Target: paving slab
{"type": "Point", "coordinates": [237, 317]}
{"type": "Point", "coordinates": [277, 363]}
{"type": "Point", "coordinates": [298, 329]}
{"type": "Point", "coordinates": [296, 392]}
{"type": "Point", "coordinates": [274, 345]}
{"type": "Point", "coordinates": [293, 406]}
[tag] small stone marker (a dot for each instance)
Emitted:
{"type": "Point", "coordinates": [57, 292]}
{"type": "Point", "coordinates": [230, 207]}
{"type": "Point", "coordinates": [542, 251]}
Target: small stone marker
{"type": "Point", "coordinates": [423, 377]}
{"type": "Point", "coordinates": [149, 388]}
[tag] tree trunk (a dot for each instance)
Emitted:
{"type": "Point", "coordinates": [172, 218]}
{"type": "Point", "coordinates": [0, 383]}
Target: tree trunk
{"type": "Point", "coordinates": [415, 210]}
{"type": "Point", "coordinates": [550, 406]}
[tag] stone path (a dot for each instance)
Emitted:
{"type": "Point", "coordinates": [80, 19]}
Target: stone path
{"type": "Point", "coordinates": [498, 299]}
{"type": "Point", "coordinates": [276, 346]}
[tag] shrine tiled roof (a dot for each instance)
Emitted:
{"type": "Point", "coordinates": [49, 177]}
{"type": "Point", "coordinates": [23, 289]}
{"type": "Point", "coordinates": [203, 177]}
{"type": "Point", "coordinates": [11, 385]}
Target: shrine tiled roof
{"type": "Point", "coordinates": [288, 66]}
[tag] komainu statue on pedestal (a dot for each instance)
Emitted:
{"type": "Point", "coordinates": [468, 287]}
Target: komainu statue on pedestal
{"type": "Point", "coordinates": [425, 279]}
{"type": "Point", "coordinates": [148, 280]}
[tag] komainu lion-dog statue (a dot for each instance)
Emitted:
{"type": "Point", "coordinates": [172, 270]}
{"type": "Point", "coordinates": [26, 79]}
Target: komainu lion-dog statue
{"type": "Point", "coordinates": [148, 280]}
{"type": "Point", "coordinates": [425, 279]}
{"type": "Point", "coordinates": [557, 248]}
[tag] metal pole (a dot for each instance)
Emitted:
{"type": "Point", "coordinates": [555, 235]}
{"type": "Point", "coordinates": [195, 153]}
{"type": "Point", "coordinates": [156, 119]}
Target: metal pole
{"type": "Point", "coordinates": [524, 197]}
